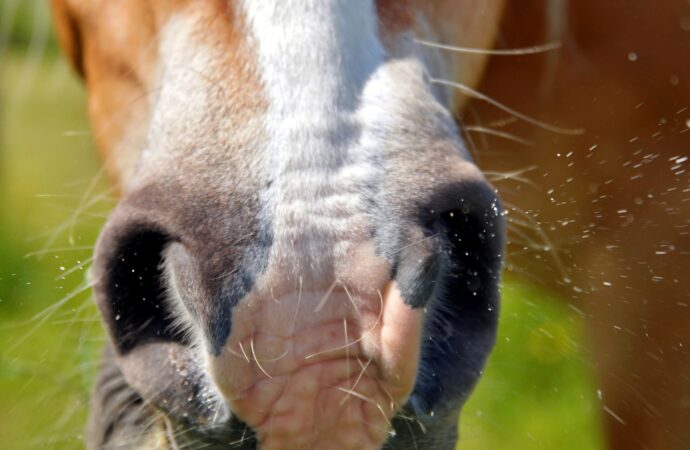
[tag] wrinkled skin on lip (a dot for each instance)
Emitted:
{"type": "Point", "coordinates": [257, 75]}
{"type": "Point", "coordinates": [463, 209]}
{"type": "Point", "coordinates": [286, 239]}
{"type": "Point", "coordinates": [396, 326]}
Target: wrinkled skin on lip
{"type": "Point", "coordinates": [305, 255]}
{"type": "Point", "coordinates": [307, 366]}
{"type": "Point", "coordinates": [313, 380]}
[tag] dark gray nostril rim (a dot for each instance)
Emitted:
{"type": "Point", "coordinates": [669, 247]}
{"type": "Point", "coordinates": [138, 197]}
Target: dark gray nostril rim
{"type": "Point", "coordinates": [469, 233]}
{"type": "Point", "coordinates": [153, 353]}
{"type": "Point", "coordinates": [129, 287]}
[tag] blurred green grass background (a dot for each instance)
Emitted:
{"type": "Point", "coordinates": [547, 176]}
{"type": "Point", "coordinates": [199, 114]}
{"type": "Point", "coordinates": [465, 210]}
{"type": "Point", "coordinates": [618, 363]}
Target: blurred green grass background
{"type": "Point", "coordinates": [537, 392]}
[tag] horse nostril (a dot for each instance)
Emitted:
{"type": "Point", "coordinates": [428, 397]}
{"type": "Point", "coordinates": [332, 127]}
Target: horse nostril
{"type": "Point", "coordinates": [152, 351]}
{"type": "Point", "coordinates": [468, 230]}
{"type": "Point", "coordinates": [457, 234]}
{"type": "Point", "coordinates": [472, 245]}
{"type": "Point", "coordinates": [129, 285]}
{"type": "Point", "coordinates": [471, 230]}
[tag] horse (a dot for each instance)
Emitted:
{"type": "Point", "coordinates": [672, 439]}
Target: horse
{"type": "Point", "coordinates": [306, 254]}
{"type": "Point", "coordinates": [275, 275]}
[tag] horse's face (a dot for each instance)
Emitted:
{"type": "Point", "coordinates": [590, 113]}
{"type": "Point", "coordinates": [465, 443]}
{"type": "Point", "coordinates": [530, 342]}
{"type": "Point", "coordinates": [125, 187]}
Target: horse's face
{"type": "Point", "coordinates": [304, 255]}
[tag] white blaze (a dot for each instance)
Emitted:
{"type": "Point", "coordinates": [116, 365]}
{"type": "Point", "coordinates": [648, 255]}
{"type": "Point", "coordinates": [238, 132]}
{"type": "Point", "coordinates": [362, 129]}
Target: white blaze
{"type": "Point", "coordinates": [314, 59]}
{"type": "Point", "coordinates": [339, 106]}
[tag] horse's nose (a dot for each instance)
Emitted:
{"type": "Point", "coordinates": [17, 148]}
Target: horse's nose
{"type": "Point", "coordinates": [444, 218]}
{"type": "Point", "coordinates": [210, 303]}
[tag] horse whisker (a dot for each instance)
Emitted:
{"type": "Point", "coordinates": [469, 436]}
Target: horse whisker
{"type": "Point", "coordinates": [532, 50]}
{"type": "Point", "coordinates": [479, 96]}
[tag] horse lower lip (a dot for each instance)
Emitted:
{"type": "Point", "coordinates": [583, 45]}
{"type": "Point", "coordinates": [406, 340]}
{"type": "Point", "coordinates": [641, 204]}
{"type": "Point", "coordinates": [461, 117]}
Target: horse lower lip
{"type": "Point", "coordinates": [335, 377]}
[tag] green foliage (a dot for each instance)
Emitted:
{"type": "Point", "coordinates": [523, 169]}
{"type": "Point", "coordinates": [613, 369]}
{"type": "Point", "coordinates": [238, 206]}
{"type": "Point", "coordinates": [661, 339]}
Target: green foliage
{"type": "Point", "coordinates": [26, 24]}
{"type": "Point", "coordinates": [537, 391]}
{"type": "Point", "coordinates": [49, 336]}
